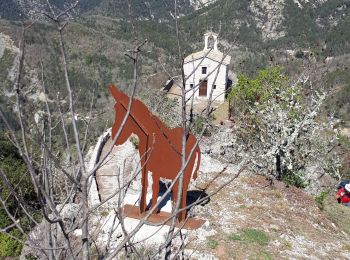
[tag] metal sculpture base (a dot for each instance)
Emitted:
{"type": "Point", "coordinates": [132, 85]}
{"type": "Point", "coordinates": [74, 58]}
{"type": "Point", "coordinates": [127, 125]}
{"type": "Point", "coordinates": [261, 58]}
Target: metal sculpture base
{"type": "Point", "coordinates": [161, 218]}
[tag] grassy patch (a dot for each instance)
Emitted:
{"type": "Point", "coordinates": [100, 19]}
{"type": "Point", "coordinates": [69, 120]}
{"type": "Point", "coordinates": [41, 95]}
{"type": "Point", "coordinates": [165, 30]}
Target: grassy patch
{"type": "Point", "coordinates": [261, 256]}
{"type": "Point", "coordinates": [254, 236]}
{"type": "Point", "coordinates": [294, 179]}
{"type": "Point", "coordinates": [337, 213]}
{"type": "Point", "coordinates": [234, 237]}
{"type": "Point", "coordinates": [346, 247]}
{"type": "Point", "coordinates": [8, 246]}
{"type": "Point", "coordinates": [213, 243]}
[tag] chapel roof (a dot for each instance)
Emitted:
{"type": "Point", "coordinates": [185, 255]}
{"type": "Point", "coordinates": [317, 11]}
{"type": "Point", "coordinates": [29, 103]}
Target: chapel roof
{"type": "Point", "coordinates": [212, 54]}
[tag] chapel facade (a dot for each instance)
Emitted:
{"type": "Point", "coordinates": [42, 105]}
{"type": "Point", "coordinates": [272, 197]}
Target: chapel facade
{"type": "Point", "coordinates": [206, 71]}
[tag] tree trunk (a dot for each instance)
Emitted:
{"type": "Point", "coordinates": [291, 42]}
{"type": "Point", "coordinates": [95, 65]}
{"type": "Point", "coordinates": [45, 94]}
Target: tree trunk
{"type": "Point", "coordinates": [278, 166]}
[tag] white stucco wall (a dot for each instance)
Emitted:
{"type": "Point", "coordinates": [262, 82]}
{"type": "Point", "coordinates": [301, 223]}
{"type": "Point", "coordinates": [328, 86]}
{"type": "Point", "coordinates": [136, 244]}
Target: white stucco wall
{"type": "Point", "coordinates": [212, 71]}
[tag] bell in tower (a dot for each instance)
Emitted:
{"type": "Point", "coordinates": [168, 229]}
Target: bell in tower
{"type": "Point", "coordinates": [211, 41]}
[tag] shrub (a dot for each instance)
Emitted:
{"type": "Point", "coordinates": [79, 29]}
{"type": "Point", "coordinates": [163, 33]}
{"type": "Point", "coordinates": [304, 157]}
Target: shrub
{"type": "Point", "coordinates": [13, 166]}
{"type": "Point", "coordinates": [198, 125]}
{"type": "Point", "coordinates": [213, 243]}
{"type": "Point", "coordinates": [31, 257]}
{"type": "Point", "coordinates": [135, 141]}
{"type": "Point", "coordinates": [293, 179]}
{"type": "Point", "coordinates": [8, 246]}
{"type": "Point", "coordinates": [320, 199]}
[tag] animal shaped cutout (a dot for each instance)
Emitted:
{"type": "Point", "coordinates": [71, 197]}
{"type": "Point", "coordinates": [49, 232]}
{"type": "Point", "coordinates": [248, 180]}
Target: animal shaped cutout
{"type": "Point", "coordinates": [159, 148]}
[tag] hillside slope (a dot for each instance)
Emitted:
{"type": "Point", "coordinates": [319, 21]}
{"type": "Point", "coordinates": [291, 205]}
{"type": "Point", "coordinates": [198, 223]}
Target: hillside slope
{"type": "Point", "coordinates": [259, 24]}
{"type": "Point", "coordinates": [254, 24]}
{"type": "Point", "coordinates": [154, 9]}
{"type": "Point", "coordinates": [248, 219]}
{"type": "Point", "coordinates": [254, 29]}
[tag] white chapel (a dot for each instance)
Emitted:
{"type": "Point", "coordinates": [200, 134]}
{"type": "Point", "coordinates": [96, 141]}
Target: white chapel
{"type": "Point", "coordinates": [207, 70]}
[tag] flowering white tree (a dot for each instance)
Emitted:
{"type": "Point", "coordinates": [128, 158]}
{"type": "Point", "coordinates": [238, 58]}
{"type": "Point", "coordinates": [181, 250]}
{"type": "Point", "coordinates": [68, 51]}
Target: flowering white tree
{"type": "Point", "coordinates": [277, 125]}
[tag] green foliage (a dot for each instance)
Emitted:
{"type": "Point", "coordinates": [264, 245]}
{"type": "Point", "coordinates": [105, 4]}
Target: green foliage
{"type": "Point", "coordinates": [30, 257]}
{"type": "Point", "coordinates": [255, 236]}
{"type": "Point", "coordinates": [294, 179]}
{"type": "Point", "coordinates": [10, 10]}
{"type": "Point", "coordinates": [320, 199]}
{"type": "Point", "coordinates": [336, 212]}
{"type": "Point", "coordinates": [269, 111]}
{"type": "Point", "coordinates": [306, 27]}
{"type": "Point", "coordinates": [149, 10]}
{"type": "Point", "coordinates": [98, 59]}
{"type": "Point", "coordinates": [261, 256]}
{"type": "Point", "coordinates": [13, 166]}
{"type": "Point", "coordinates": [213, 243]}
{"type": "Point", "coordinates": [249, 235]}
{"type": "Point", "coordinates": [135, 141]}
{"type": "Point", "coordinates": [338, 82]}
{"type": "Point", "coordinates": [344, 145]}
{"type": "Point", "coordinates": [8, 246]}
{"type": "Point", "coordinates": [126, 69]}
{"type": "Point", "coordinates": [9, 115]}
{"type": "Point", "coordinates": [338, 37]}
{"type": "Point", "coordinates": [6, 62]}
{"type": "Point", "coordinates": [193, 26]}
{"type": "Point", "coordinates": [303, 28]}
{"type": "Point", "coordinates": [198, 125]}
{"type": "Point", "coordinates": [252, 95]}
{"type": "Point", "coordinates": [234, 237]}
{"type": "Point", "coordinates": [256, 91]}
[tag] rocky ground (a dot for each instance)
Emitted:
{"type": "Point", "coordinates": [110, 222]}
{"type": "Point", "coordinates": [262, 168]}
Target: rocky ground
{"type": "Point", "coordinates": [253, 220]}
{"type": "Point", "coordinates": [249, 218]}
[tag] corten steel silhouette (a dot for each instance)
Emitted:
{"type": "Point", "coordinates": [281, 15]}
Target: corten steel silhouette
{"type": "Point", "coordinates": [159, 147]}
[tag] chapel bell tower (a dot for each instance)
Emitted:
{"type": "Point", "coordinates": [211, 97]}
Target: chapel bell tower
{"type": "Point", "coordinates": [211, 41]}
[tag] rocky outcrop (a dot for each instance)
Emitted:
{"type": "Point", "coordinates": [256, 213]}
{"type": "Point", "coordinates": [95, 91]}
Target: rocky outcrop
{"type": "Point", "coordinates": [269, 17]}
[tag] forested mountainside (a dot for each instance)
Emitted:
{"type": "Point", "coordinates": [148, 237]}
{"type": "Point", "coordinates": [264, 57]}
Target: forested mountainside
{"type": "Point", "coordinates": [256, 34]}
{"type": "Point", "coordinates": [154, 9]}
{"type": "Point", "coordinates": [288, 113]}
{"type": "Point", "coordinates": [258, 29]}
{"type": "Point", "coordinates": [321, 25]}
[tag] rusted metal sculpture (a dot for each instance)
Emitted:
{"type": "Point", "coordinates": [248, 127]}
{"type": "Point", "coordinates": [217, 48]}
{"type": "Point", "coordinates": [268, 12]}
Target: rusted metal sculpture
{"type": "Point", "coordinates": [159, 148]}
